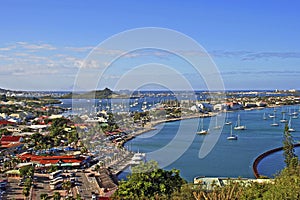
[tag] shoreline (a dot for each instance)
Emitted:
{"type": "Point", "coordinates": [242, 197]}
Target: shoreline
{"type": "Point", "coordinates": [151, 125]}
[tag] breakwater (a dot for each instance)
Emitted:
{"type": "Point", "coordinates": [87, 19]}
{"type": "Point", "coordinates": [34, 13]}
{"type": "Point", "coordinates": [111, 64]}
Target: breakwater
{"type": "Point", "coordinates": [262, 156]}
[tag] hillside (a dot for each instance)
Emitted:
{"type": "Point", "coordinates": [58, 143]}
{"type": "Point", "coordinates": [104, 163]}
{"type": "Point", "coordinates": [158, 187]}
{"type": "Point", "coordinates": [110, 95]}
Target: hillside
{"type": "Point", "coordinates": [97, 94]}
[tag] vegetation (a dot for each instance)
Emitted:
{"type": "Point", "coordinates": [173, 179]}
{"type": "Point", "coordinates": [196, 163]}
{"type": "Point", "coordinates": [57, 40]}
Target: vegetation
{"type": "Point", "coordinates": [67, 186]}
{"type": "Point", "coordinates": [56, 196]}
{"type": "Point", "coordinates": [148, 181]}
{"type": "Point", "coordinates": [290, 159]}
{"type": "Point", "coordinates": [97, 94]}
{"type": "Point", "coordinates": [44, 196]}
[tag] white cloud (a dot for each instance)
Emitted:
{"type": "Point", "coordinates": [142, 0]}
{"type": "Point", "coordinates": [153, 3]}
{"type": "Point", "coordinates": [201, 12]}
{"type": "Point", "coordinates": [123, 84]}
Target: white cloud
{"type": "Point", "coordinates": [40, 46]}
{"type": "Point", "coordinates": [80, 49]}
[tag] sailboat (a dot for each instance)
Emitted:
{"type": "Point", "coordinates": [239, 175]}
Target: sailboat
{"type": "Point", "coordinates": [238, 125]}
{"type": "Point", "coordinates": [217, 126]}
{"type": "Point", "coordinates": [264, 116]}
{"type": "Point", "coordinates": [290, 126]}
{"type": "Point", "coordinates": [232, 137]}
{"type": "Point", "coordinates": [283, 120]}
{"type": "Point", "coordinates": [272, 116]}
{"type": "Point", "coordinates": [228, 123]}
{"type": "Point", "coordinates": [202, 131]}
{"type": "Point", "coordinates": [295, 115]}
{"type": "Point", "coordinates": [274, 122]}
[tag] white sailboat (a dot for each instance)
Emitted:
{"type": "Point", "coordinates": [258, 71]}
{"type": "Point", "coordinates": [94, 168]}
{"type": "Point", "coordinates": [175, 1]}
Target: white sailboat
{"type": "Point", "coordinates": [238, 125]}
{"type": "Point", "coordinates": [264, 116]}
{"type": "Point", "coordinates": [283, 120]}
{"type": "Point", "coordinates": [295, 116]}
{"type": "Point", "coordinates": [217, 127]}
{"type": "Point", "coordinates": [232, 137]}
{"type": "Point", "coordinates": [274, 122]}
{"type": "Point", "coordinates": [228, 123]}
{"type": "Point", "coordinates": [272, 116]}
{"type": "Point", "coordinates": [202, 131]}
{"type": "Point", "coordinates": [290, 126]}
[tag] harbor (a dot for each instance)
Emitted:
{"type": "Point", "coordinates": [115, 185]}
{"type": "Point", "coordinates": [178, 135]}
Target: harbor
{"type": "Point", "coordinates": [228, 158]}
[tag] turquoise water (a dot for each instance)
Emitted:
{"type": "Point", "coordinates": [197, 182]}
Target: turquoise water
{"type": "Point", "coordinates": [227, 158]}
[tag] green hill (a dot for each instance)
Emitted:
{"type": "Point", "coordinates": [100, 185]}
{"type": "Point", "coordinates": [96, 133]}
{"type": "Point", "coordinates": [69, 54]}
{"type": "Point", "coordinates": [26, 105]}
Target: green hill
{"type": "Point", "coordinates": [97, 94]}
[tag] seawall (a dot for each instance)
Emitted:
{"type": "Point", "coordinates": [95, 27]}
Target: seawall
{"type": "Point", "coordinates": [262, 156]}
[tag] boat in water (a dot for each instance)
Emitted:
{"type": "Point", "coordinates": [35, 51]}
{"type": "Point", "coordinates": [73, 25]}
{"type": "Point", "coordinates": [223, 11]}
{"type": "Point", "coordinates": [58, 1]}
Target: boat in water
{"type": "Point", "coordinates": [138, 158]}
{"type": "Point", "coordinates": [202, 131]}
{"type": "Point", "coordinates": [290, 126]}
{"type": "Point", "coordinates": [228, 123]}
{"type": "Point", "coordinates": [217, 127]}
{"type": "Point", "coordinates": [274, 122]}
{"type": "Point", "coordinates": [238, 125]}
{"type": "Point", "coordinates": [283, 120]}
{"type": "Point", "coordinates": [232, 136]}
{"type": "Point", "coordinates": [264, 116]}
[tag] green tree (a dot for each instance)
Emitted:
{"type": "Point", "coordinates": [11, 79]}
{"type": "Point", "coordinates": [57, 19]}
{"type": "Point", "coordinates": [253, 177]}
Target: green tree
{"type": "Point", "coordinates": [53, 168]}
{"type": "Point", "coordinates": [26, 191]}
{"type": "Point", "coordinates": [67, 185]}
{"type": "Point", "coordinates": [148, 181]}
{"type": "Point", "coordinates": [286, 186]}
{"type": "Point", "coordinates": [44, 196]}
{"type": "Point", "coordinates": [56, 196]}
{"type": "Point", "coordinates": [27, 171]}
{"type": "Point", "coordinates": [97, 167]}
{"type": "Point", "coordinates": [290, 159]}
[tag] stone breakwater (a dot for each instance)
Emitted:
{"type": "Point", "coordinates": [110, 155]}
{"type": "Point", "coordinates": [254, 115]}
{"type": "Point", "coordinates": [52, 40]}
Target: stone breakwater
{"type": "Point", "coordinates": [262, 156]}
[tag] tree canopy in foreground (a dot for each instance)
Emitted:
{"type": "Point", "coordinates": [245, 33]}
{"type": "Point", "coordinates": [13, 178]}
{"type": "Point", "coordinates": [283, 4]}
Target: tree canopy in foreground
{"type": "Point", "coordinates": [148, 181]}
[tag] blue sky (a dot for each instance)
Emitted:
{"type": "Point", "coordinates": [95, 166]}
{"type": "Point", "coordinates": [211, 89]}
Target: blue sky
{"type": "Point", "coordinates": [255, 44]}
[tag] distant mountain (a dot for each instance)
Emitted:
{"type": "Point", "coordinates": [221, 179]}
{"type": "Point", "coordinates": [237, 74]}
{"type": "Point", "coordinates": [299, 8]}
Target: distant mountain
{"type": "Point", "coordinates": [97, 94]}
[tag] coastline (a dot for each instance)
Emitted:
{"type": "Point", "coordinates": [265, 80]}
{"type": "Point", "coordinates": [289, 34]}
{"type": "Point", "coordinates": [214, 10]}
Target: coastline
{"type": "Point", "coordinates": [151, 125]}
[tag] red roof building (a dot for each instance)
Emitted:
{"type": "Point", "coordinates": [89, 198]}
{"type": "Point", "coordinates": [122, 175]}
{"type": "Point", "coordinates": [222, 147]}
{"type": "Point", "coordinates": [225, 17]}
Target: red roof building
{"type": "Point", "coordinates": [67, 160]}
{"type": "Point", "coordinates": [10, 139]}
{"type": "Point", "coordinates": [5, 123]}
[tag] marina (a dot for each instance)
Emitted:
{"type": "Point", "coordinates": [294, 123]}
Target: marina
{"type": "Point", "coordinates": [229, 158]}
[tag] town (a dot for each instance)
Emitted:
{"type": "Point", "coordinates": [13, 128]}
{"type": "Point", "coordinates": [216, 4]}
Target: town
{"type": "Point", "coordinates": [47, 154]}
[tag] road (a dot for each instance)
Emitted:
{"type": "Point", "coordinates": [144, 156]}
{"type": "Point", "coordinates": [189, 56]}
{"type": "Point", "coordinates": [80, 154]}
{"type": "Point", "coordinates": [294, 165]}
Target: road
{"type": "Point", "coordinates": [86, 185]}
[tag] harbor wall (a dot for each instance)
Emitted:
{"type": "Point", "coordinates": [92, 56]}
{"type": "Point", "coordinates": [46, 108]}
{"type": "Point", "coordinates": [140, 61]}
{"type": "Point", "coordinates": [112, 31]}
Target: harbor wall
{"type": "Point", "coordinates": [262, 156]}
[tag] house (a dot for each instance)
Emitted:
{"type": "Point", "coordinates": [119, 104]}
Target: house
{"type": "Point", "coordinates": [234, 106]}
{"type": "Point", "coordinates": [205, 106]}
{"type": "Point", "coordinates": [11, 142]}
{"type": "Point", "coordinates": [61, 161]}
{"type": "Point", "coordinates": [5, 123]}
{"type": "Point", "coordinates": [11, 139]}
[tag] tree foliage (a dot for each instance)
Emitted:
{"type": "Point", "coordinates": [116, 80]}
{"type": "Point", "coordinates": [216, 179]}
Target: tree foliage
{"type": "Point", "coordinates": [147, 181]}
{"type": "Point", "coordinates": [56, 196]}
{"type": "Point", "coordinates": [290, 159]}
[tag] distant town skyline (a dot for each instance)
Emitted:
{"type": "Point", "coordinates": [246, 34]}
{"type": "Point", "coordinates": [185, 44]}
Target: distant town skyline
{"type": "Point", "coordinates": [254, 44]}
